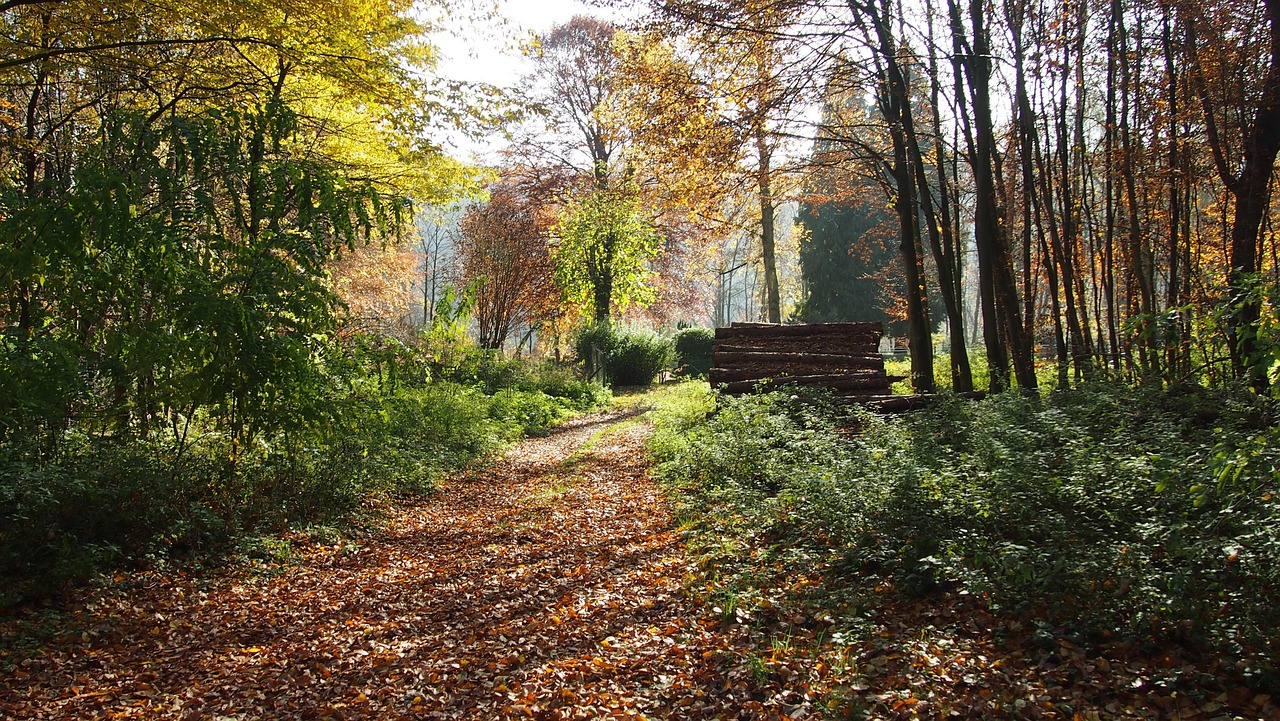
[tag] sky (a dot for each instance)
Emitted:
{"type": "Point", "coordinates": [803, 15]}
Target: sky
{"type": "Point", "coordinates": [483, 54]}
{"type": "Point", "coordinates": [490, 52]}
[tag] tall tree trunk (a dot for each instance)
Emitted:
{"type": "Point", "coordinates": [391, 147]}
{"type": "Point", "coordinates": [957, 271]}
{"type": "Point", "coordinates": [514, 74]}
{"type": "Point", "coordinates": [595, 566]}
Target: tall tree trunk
{"type": "Point", "coordinates": [1050, 250]}
{"type": "Point", "coordinates": [985, 231]}
{"type": "Point", "coordinates": [764, 182]}
{"type": "Point", "coordinates": [1176, 360]}
{"type": "Point", "coordinates": [1016, 13]}
{"type": "Point", "coordinates": [1109, 144]}
{"type": "Point", "coordinates": [998, 290]}
{"type": "Point", "coordinates": [1073, 199]}
{"type": "Point", "coordinates": [24, 291]}
{"type": "Point", "coordinates": [1140, 271]}
{"type": "Point", "coordinates": [1251, 189]}
{"type": "Point", "coordinates": [942, 234]}
{"type": "Point", "coordinates": [895, 104]}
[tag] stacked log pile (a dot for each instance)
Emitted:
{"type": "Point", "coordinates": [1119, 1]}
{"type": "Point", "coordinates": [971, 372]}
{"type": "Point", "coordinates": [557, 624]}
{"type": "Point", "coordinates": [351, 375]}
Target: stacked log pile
{"type": "Point", "coordinates": [844, 357]}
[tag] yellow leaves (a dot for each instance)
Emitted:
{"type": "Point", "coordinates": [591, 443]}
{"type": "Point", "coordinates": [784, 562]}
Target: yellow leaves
{"type": "Point", "coordinates": [604, 235]}
{"type": "Point", "coordinates": [676, 121]}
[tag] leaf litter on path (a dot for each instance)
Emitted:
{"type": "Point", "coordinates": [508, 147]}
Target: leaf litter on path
{"type": "Point", "coordinates": [547, 584]}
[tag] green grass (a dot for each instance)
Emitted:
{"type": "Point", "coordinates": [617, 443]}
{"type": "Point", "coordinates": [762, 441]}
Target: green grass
{"type": "Point", "coordinates": [1046, 373]}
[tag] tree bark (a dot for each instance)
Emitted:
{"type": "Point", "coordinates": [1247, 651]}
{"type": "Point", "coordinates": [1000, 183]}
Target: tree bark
{"type": "Point", "coordinates": [1000, 312]}
{"type": "Point", "coordinates": [895, 104]}
{"type": "Point", "coordinates": [942, 234]}
{"type": "Point", "coordinates": [1251, 189]}
{"type": "Point", "coordinates": [768, 250]}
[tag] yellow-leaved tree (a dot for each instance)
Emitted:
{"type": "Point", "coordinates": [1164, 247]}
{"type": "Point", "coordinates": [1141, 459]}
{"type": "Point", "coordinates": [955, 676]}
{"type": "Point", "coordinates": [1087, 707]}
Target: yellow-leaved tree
{"type": "Point", "coordinates": [713, 108]}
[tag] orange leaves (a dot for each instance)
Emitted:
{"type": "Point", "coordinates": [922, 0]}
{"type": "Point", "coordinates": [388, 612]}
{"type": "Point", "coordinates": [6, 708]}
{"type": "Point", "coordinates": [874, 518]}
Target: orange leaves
{"type": "Point", "coordinates": [493, 600]}
{"type": "Point", "coordinates": [498, 600]}
{"type": "Point", "coordinates": [374, 281]}
{"type": "Point", "coordinates": [503, 248]}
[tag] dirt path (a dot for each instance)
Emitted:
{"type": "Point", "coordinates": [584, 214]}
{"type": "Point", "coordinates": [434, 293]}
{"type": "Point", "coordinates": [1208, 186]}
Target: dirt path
{"type": "Point", "coordinates": [545, 585]}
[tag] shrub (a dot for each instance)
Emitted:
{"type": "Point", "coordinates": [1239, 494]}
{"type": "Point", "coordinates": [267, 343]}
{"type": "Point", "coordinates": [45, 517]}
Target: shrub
{"type": "Point", "coordinates": [592, 345]}
{"type": "Point", "coordinates": [532, 412]}
{"type": "Point", "coordinates": [492, 373]}
{"type": "Point", "coordinates": [1108, 509]}
{"type": "Point", "coordinates": [100, 500]}
{"type": "Point", "coordinates": [693, 351]}
{"type": "Point", "coordinates": [559, 381]}
{"type": "Point", "coordinates": [636, 358]}
{"type": "Point", "coordinates": [630, 358]}
{"type": "Point", "coordinates": [39, 381]}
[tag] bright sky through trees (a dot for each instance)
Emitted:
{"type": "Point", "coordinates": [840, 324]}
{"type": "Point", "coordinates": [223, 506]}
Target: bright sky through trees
{"type": "Point", "coordinates": [493, 51]}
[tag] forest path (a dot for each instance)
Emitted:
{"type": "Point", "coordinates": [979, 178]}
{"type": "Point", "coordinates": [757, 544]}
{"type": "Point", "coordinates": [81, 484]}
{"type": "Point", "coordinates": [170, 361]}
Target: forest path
{"type": "Point", "coordinates": [546, 584]}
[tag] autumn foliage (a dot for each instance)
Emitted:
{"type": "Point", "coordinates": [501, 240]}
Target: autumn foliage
{"type": "Point", "coordinates": [1005, 559]}
{"type": "Point", "coordinates": [504, 254]}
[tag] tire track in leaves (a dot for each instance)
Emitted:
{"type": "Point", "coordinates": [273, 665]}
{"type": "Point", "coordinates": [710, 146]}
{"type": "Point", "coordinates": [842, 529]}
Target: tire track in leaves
{"type": "Point", "coordinates": [547, 584]}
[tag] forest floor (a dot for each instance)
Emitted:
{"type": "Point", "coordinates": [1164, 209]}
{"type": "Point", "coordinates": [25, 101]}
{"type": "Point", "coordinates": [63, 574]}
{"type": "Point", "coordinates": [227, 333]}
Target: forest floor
{"type": "Point", "coordinates": [548, 583]}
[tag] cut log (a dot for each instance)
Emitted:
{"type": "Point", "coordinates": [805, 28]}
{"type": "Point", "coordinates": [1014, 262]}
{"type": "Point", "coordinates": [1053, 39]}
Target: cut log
{"type": "Point", "coordinates": [725, 356]}
{"type": "Point", "coordinates": [801, 344]}
{"type": "Point", "coordinates": [809, 328]}
{"type": "Point", "coordinates": [745, 373]}
{"type": "Point", "coordinates": [758, 330]}
{"type": "Point", "coordinates": [843, 357]}
{"type": "Point", "coordinates": [840, 382]}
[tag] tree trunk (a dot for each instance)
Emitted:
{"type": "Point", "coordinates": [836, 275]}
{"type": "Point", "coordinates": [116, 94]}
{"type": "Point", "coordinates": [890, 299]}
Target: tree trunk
{"type": "Point", "coordinates": [1252, 192]}
{"type": "Point", "coordinates": [603, 297]}
{"type": "Point", "coordinates": [1139, 268]}
{"type": "Point", "coordinates": [942, 234]}
{"type": "Point", "coordinates": [986, 240]}
{"type": "Point", "coordinates": [1000, 312]}
{"type": "Point", "coordinates": [768, 250]}
{"type": "Point", "coordinates": [1109, 143]}
{"type": "Point", "coordinates": [895, 103]}
{"type": "Point", "coordinates": [1026, 139]}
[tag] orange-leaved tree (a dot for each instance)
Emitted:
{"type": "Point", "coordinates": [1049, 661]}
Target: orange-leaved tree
{"type": "Point", "coordinates": [504, 255]}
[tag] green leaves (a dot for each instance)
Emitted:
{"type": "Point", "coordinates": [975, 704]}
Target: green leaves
{"type": "Point", "coordinates": [186, 266]}
{"type": "Point", "coordinates": [628, 358]}
{"type": "Point", "coordinates": [602, 259]}
{"type": "Point", "coordinates": [1106, 510]}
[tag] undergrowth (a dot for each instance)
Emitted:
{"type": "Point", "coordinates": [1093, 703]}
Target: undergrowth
{"type": "Point", "coordinates": [101, 501]}
{"type": "Point", "coordinates": [1099, 513]}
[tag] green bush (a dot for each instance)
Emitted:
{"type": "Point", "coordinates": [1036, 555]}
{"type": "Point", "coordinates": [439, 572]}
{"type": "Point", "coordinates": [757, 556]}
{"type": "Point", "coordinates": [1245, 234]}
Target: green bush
{"type": "Point", "coordinates": [493, 373]}
{"type": "Point", "coordinates": [487, 369]}
{"type": "Point", "coordinates": [100, 500]}
{"type": "Point", "coordinates": [693, 351]}
{"type": "Point", "coordinates": [533, 412]}
{"type": "Point", "coordinates": [637, 358]}
{"type": "Point", "coordinates": [559, 381]}
{"type": "Point", "coordinates": [1106, 509]}
{"type": "Point", "coordinates": [942, 372]}
{"type": "Point", "coordinates": [39, 383]}
{"type": "Point", "coordinates": [631, 358]}
{"type": "Point", "coordinates": [592, 345]}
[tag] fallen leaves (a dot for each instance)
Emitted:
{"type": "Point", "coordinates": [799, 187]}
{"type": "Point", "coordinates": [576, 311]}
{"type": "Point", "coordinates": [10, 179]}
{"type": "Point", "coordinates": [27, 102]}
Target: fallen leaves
{"type": "Point", "coordinates": [548, 584]}
{"type": "Point", "coordinates": [553, 584]}
{"type": "Point", "coordinates": [854, 647]}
